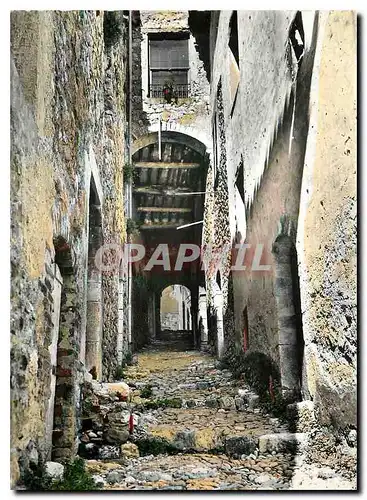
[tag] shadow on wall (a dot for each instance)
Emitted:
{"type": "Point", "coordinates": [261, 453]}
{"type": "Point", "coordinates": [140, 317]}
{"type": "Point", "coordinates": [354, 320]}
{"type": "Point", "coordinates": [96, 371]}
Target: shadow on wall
{"type": "Point", "coordinates": [287, 295]}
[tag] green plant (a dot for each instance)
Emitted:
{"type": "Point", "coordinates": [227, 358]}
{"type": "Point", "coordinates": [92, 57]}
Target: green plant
{"type": "Point", "coordinates": [119, 373]}
{"type": "Point", "coordinates": [129, 173]}
{"type": "Point", "coordinates": [276, 406]}
{"type": "Point", "coordinates": [112, 27]}
{"type": "Point", "coordinates": [163, 403]}
{"type": "Point", "coordinates": [132, 226]}
{"type": "Point", "coordinates": [128, 358]}
{"type": "Point", "coordinates": [141, 282]}
{"type": "Point", "coordinates": [36, 479]}
{"type": "Point", "coordinates": [155, 446]}
{"type": "Point", "coordinates": [75, 478]}
{"type": "Point", "coordinates": [146, 392]}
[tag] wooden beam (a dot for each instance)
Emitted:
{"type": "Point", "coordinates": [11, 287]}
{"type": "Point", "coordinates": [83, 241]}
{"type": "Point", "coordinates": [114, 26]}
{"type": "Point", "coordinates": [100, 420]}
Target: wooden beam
{"type": "Point", "coordinates": [164, 209]}
{"type": "Point", "coordinates": [163, 190]}
{"type": "Point", "coordinates": [160, 226]}
{"type": "Point", "coordinates": [163, 164]}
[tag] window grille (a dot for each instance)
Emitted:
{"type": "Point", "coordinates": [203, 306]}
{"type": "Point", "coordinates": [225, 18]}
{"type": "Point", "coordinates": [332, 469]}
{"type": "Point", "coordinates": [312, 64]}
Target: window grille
{"type": "Point", "coordinates": [168, 64]}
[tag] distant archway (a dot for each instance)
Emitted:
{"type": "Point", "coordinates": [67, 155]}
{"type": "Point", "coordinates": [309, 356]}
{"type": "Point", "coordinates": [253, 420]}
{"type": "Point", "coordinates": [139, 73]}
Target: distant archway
{"type": "Point", "coordinates": [175, 309]}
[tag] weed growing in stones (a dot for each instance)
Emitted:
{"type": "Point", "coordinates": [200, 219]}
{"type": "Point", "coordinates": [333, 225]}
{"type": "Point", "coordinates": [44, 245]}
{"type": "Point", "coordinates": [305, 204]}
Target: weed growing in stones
{"type": "Point", "coordinates": [276, 407]}
{"type": "Point", "coordinates": [128, 358]}
{"type": "Point", "coordinates": [155, 446]}
{"type": "Point", "coordinates": [146, 392]}
{"type": "Point", "coordinates": [119, 373]}
{"type": "Point", "coordinates": [163, 403]}
{"type": "Point", "coordinates": [112, 28]}
{"type": "Point", "coordinates": [36, 479]}
{"type": "Point", "coordinates": [76, 478]}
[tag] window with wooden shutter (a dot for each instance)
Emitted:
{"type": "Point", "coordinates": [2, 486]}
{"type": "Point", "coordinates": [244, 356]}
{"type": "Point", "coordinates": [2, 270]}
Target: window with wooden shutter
{"type": "Point", "coordinates": [168, 64]}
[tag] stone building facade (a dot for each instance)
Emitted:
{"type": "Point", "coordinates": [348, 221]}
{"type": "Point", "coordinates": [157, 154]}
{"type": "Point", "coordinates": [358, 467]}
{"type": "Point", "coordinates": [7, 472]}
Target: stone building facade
{"type": "Point", "coordinates": [272, 186]}
{"type": "Point", "coordinates": [167, 136]}
{"type": "Point", "coordinates": [68, 120]}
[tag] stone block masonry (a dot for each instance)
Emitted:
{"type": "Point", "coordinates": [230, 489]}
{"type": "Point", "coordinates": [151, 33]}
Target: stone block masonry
{"type": "Point", "coordinates": [68, 144]}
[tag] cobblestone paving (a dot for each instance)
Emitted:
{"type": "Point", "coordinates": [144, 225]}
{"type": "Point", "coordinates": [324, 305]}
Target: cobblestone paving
{"type": "Point", "coordinates": [214, 433]}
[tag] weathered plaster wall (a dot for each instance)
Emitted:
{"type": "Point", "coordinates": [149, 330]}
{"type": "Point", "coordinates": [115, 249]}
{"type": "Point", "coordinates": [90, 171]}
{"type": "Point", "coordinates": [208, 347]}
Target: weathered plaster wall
{"type": "Point", "coordinates": [61, 135]}
{"type": "Point", "coordinates": [265, 85]}
{"type": "Point", "coordinates": [294, 130]}
{"type": "Point", "coordinates": [247, 129]}
{"type": "Point", "coordinates": [327, 233]}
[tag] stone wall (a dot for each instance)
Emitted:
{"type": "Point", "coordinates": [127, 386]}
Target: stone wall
{"type": "Point", "coordinates": [67, 119]}
{"type": "Point", "coordinates": [245, 135]}
{"type": "Point", "coordinates": [327, 233]}
{"type": "Point", "coordinates": [291, 125]}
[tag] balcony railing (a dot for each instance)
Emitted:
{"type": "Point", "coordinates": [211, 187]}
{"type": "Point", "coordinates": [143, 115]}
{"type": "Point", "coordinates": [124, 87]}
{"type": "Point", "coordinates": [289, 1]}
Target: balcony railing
{"type": "Point", "coordinates": [181, 90]}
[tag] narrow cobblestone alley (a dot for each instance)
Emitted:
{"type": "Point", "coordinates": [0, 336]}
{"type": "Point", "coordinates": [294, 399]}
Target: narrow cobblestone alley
{"type": "Point", "coordinates": [195, 428]}
{"type": "Point", "coordinates": [183, 250]}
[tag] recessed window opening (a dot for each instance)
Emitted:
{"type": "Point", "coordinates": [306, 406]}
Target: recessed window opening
{"type": "Point", "coordinates": [240, 183]}
{"type": "Point", "coordinates": [168, 64]}
{"type": "Point", "coordinates": [297, 37]}
{"type": "Point", "coordinates": [233, 37]}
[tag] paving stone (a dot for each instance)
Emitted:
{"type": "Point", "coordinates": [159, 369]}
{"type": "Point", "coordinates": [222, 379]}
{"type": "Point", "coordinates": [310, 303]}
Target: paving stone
{"type": "Point", "coordinates": [241, 445]}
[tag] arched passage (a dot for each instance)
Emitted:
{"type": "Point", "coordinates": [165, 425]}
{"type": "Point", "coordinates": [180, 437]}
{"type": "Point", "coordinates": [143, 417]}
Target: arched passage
{"type": "Point", "coordinates": [169, 178]}
{"type": "Point", "coordinates": [287, 297]}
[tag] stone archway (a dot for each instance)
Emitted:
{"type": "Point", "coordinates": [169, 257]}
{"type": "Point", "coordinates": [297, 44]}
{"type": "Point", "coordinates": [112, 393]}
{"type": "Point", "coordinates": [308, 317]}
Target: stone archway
{"type": "Point", "coordinates": [175, 305]}
{"type": "Point", "coordinates": [169, 171]}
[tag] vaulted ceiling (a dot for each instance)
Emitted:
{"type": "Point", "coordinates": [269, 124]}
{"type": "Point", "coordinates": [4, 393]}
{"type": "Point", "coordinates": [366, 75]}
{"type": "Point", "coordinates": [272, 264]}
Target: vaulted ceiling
{"type": "Point", "coordinates": [165, 189]}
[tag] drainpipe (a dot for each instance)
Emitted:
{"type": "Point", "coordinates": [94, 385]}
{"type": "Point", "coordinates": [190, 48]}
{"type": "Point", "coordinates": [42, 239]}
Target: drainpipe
{"type": "Point", "coordinates": [129, 187]}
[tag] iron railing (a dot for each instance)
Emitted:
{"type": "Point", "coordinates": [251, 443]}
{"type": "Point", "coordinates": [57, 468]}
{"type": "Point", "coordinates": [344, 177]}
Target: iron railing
{"type": "Point", "coordinates": [180, 90]}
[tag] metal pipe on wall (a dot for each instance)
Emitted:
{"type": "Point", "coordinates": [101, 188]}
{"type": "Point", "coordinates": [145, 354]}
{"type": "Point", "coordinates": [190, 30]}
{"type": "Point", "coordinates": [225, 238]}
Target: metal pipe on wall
{"type": "Point", "coordinates": [129, 208]}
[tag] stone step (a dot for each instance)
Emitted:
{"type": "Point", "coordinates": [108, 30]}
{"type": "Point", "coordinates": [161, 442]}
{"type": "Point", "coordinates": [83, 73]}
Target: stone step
{"type": "Point", "coordinates": [286, 442]}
